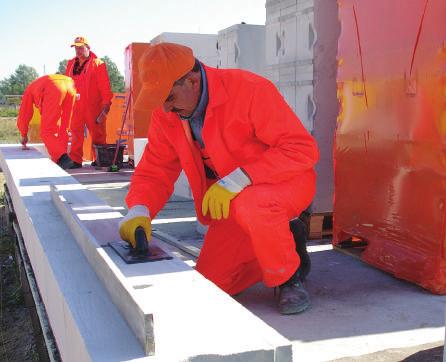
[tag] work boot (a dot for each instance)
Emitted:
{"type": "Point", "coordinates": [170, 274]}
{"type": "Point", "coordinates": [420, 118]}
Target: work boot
{"type": "Point", "coordinates": [65, 162]}
{"type": "Point", "coordinates": [293, 298]}
{"type": "Point", "coordinates": [299, 229]}
{"type": "Point", "coordinates": [76, 165]}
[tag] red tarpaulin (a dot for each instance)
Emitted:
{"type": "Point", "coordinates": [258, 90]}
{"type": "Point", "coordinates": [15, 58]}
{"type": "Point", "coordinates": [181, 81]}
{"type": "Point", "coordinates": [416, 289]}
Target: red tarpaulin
{"type": "Point", "coordinates": [390, 150]}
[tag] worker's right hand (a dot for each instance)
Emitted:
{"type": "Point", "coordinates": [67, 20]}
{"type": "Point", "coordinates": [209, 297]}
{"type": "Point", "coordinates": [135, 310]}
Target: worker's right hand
{"type": "Point", "coordinates": [24, 141]}
{"type": "Point", "coordinates": [138, 216]}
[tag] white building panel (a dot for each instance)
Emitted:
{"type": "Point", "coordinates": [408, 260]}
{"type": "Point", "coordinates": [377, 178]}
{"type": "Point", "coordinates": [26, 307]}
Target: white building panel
{"type": "Point", "coordinates": [242, 46]}
{"type": "Point", "coordinates": [305, 36]}
{"type": "Point", "coordinates": [300, 55]}
{"type": "Point", "coordinates": [203, 45]}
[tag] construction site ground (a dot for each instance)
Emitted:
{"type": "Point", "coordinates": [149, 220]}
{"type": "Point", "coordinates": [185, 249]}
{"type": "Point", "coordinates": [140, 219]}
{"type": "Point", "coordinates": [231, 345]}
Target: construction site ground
{"type": "Point", "coordinates": [358, 313]}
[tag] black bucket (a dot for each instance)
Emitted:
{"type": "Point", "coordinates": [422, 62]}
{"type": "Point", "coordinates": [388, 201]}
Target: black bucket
{"type": "Point", "coordinates": [105, 154]}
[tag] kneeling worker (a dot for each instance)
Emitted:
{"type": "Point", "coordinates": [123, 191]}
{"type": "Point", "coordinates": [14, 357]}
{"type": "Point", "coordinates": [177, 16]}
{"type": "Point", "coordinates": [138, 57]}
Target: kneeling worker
{"type": "Point", "coordinates": [249, 161]}
{"type": "Point", "coordinates": [54, 96]}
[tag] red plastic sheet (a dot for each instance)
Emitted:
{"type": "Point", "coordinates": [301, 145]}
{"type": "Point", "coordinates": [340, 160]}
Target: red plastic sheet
{"type": "Point", "coordinates": [390, 150]}
{"type": "Point", "coordinates": [138, 120]}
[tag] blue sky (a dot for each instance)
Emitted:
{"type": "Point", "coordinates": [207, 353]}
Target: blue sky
{"type": "Point", "coordinates": [39, 33]}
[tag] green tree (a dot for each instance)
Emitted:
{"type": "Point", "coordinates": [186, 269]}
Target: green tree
{"type": "Point", "coordinates": [116, 78]}
{"type": "Point", "coordinates": [62, 66]}
{"type": "Point", "coordinates": [17, 82]}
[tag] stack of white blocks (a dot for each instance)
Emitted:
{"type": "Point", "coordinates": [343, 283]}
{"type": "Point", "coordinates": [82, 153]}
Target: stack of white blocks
{"type": "Point", "coordinates": [296, 50]}
{"type": "Point", "coordinates": [242, 46]}
{"type": "Point", "coordinates": [290, 38]}
{"type": "Point", "coordinates": [301, 46]}
{"type": "Point", "coordinates": [203, 45]}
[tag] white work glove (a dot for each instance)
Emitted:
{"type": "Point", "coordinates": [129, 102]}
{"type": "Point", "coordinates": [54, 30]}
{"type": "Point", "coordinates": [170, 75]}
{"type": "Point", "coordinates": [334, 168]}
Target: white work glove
{"type": "Point", "coordinates": [218, 197]}
{"type": "Point", "coordinates": [137, 216]}
{"type": "Point", "coordinates": [103, 115]}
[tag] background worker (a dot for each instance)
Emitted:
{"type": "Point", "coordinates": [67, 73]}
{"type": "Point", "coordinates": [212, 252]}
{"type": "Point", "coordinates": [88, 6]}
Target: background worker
{"type": "Point", "coordinates": [54, 96]}
{"type": "Point", "coordinates": [94, 97]}
{"type": "Point", "coordinates": [249, 161]}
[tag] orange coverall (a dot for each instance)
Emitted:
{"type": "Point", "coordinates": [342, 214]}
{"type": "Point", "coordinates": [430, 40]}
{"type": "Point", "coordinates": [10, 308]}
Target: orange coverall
{"type": "Point", "coordinates": [54, 96]}
{"type": "Point", "coordinates": [94, 92]}
{"type": "Point", "coordinates": [249, 125]}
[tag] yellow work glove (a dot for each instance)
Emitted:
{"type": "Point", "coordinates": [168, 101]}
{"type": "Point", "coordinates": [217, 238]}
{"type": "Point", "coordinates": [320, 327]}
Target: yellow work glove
{"type": "Point", "coordinates": [217, 199]}
{"type": "Point", "coordinates": [138, 216]}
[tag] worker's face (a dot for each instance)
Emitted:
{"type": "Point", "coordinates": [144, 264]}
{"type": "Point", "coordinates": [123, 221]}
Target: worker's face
{"type": "Point", "coordinates": [183, 98]}
{"type": "Point", "coordinates": [82, 51]}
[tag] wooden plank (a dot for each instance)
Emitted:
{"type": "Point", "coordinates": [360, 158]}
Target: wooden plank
{"type": "Point", "coordinates": [320, 226]}
{"type": "Point", "coordinates": [316, 223]}
{"type": "Point", "coordinates": [184, 246]}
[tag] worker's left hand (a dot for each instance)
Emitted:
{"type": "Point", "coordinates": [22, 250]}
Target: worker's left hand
{"type": "Point", "coordinates": [103, 115]}
{"type": "Point", "coordinates": [217, 200]}
{"type": "Point", "coordinates": [101, 118]}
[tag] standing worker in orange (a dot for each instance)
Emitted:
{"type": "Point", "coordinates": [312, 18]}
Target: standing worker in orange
{"type": "Point", "coordinates": [249, 161]}
{"type": "Point", "coordinates": [94, 97]}
{"type": "Point", "coordinates": [54, 96]}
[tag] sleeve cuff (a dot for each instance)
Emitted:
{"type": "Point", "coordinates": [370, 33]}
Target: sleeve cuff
{"type": "Point", "coordinates": [138, 210]}
{"type": "Point", "coordinates": [236, 181]}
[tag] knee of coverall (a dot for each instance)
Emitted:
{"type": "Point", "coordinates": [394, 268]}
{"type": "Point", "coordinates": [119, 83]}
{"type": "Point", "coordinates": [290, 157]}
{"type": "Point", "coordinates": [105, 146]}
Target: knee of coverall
{"type": "Point", "coordinates": [257, 203]}
{"type": "Point", "coordinates": [245, 276]}
{"type": "Point", "coordinates": [227, 257]}
{"type": "Point", "coordinates": [264, 212]}
{"type": "Point", "coordinates": [294, 195]}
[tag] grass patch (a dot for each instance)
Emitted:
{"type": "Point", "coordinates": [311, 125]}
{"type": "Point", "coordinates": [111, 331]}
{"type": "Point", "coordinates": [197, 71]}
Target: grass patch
{"type": "Point", "coordinates": [8, 130]}
{"type": "Point", "coordinates": [8, 112]}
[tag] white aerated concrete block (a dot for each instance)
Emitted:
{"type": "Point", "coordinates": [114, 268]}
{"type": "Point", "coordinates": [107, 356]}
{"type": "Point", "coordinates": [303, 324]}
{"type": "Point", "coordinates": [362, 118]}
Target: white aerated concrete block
{"type": "Point", "coordinates": [88, 290]}
{"type": "Point", "coordinates": [301, 43]}
{"type": "Point", "coordinates": [242, 46]}
{"type": "Point", "coordinates": [139, 146]}
{"type": "Point", "coordinates": [181, 187]}
{"type": "Point", "coordinates": [204, 46]}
